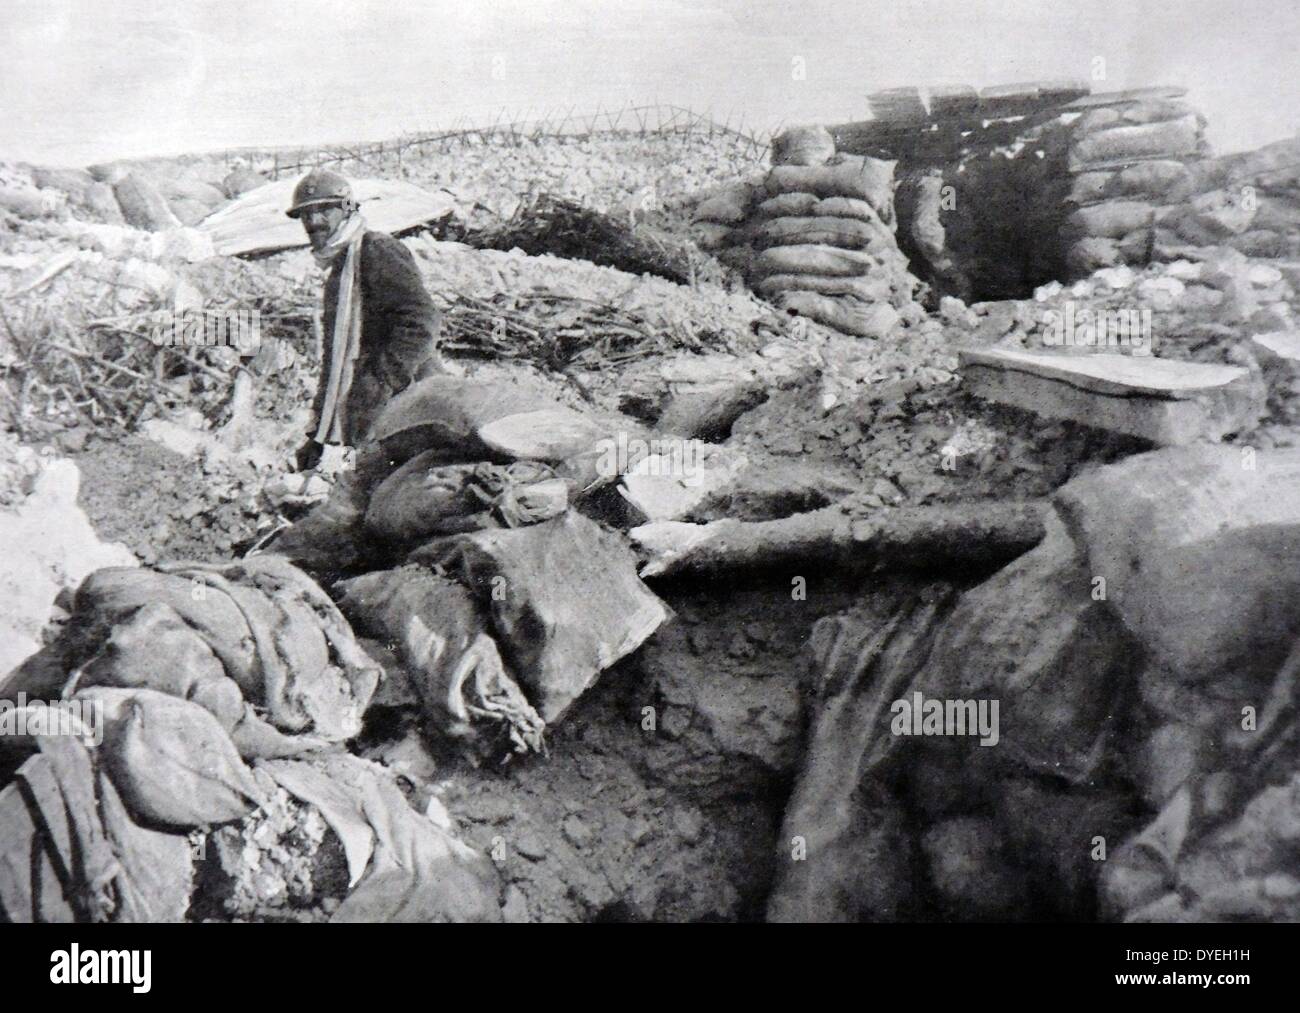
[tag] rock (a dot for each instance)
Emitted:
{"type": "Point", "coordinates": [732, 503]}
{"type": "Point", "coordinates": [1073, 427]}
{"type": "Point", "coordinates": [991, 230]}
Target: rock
{"type": "Point", "coordinates": [664, 487]}
{"type": "Point", "coordinates": [48, 545]}
{"type": "Point", "coordinates": [1162, 293]}
{"type": "Point", "coordinates": [1198, 549]}
{"type": "Point", "coordinates": [1161, 400]}
{"type": "Point", "coordinates": [1263, 275]}
{"type": "Point", "coordinates": [1117, 278]}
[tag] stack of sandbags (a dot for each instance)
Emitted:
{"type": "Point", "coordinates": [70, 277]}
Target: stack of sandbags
{"type": "Point", "coordinates": [1248, 201]}
{"type": "Point", "coordinates": [818, 238]}
{"type": "Point", "coordinates": [1130, 155]}
{"type": "Point", "coordinates": [87, 198]}
{"type": "Point", "coordinates": [717, 216]}
{"type": "Point", "coordinates": [448, 455]}
{"type": "Point", "coordinates": [23, 196]}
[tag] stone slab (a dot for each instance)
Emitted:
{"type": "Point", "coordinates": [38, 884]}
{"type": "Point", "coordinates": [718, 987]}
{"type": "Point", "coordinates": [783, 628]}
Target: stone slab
{"type": "Point", "coordinates": [1167, 402]}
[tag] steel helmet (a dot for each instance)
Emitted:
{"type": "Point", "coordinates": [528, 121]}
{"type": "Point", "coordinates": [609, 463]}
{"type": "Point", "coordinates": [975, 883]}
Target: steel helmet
{"type": "Point", "coordinates": [320, 186]}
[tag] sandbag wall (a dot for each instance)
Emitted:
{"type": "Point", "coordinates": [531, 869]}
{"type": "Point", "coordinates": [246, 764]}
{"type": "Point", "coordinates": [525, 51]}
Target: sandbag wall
{"type": "Point", "coordinates": [118, 194]}
{"type": "Point", "coordinates": [1132, 156]}
{"type": "Point", "coordinates": [815, 235]}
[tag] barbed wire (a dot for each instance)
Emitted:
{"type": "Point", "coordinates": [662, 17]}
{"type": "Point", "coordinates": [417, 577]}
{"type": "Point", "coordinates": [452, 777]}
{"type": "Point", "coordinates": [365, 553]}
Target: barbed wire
{"type": "Point", "coordinates": [628, 121]}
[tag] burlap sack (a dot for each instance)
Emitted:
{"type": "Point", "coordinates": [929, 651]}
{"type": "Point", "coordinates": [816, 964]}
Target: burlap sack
{"type": "Point", "coordinates": [845, 233]}
{"type": "Point", "coordinates": [847, 315]}
{"type": "Point", "coordinates": [827, 261]}
{"type": "Point", "coordinates": [876, 288]}
{"type": "Point", "coordinates": [806, 145]}
{"type": "Point", "coordinates": [1113, 219]}
{"type": "Point", "coordinates": [1131, 143]}
{"type": "Point", "coordinates": [868, 179]}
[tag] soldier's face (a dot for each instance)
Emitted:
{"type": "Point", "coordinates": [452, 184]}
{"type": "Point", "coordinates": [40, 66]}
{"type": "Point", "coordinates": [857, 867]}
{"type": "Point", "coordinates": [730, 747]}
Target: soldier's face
{"type": "Point", "coordinates": [320, 222]}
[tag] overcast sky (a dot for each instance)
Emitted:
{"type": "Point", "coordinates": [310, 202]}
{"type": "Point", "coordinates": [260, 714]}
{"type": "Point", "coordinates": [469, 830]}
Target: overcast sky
{"type": "Point", "coordinates": [87, 80]}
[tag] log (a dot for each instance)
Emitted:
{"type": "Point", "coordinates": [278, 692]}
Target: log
{"type": "Point", "coordinates": [921, 538]}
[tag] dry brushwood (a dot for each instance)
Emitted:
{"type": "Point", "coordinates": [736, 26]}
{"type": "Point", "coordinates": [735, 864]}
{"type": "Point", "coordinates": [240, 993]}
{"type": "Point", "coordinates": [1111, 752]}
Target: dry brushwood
{"type": "Point", "coordinates": [559, 332]}
{"type": "Point", "coordinates": [82, 359]}
{"type": "Point", "coordinates": [564, 228]}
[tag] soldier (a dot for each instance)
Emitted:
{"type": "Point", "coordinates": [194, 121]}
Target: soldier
{"type": "Point", "coordinates": [381, 329]}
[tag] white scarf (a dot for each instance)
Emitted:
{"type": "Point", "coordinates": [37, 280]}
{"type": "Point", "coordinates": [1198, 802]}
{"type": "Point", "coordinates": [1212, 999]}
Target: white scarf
{"type": "Point", "coordinates": [345, 342]}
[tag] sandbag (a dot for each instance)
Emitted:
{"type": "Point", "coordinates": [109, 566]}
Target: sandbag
{"type": "Point", "coordinates": [565, 601]}
{"type": "Point", "coordinates": [847, 207]}
{"type": "Point", "coordinates": [868, 179]}
{"type": "Point", "coordinates": [446, 412]}
{"type": "Point", "coordinates": [873, 288]}
{"type": "Point", "coordinates": [98, 203]}
{"type": "Point", "coordinates": [1207, 552]}
{"type": "Point", "coordinates": [442, 638]}
{"type": "Point", "coordinates": [170, 760]}
{"type": "Point", "coordinates": [1151, 179]}
{"type": "Point", "coordinates": [844, 233]}
{"type": "Point", "coordinates": [827, 261]}
{"type": "Point", "coordinates": [189, 212]}
{"type": "Point", "coordinates": [405, 868]}
{"type": "Point", "coordinates": [786, 205]}
{"type": "Point", "coordinates": [185, 188]}
{"type": "Point", "coordinates": [155, 649]}
{"type": "Point", "coordinates": [143, 207]}
{"type": "Point", "coordinates": [240, 181]}
{"type": "Point", "coordinates": [730, 206]}
{"type": "Point", "coordinates": [1091, 254]}
{"type": "Point", "coordinates": [803, 145]}
{"type": "Point", "coordinates": [546, 434]}
{"type": "Point", "coordinates": [277, 635]}
{"type": "Point", "coordinates": [1210, 218]}
{"type": "Point", "coordinates": [73, 182]}
{"type": "Point", "coordinates": [423, 498]}
{"type": "Point", "coordinates": [69, 851]}
{"type": "Point", "coordinates": [27, 203]}
{"type": "Point", "coordinates": [846, 315]}
{"type": "Point", "coordinates": [1154, 111]}
{"type": "Point", "coordinates": [1111, 220]}
{"type": "Point", "coordinates": [1090, 187]}
{"type": "Point", "coordinates": [1130, 143]}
